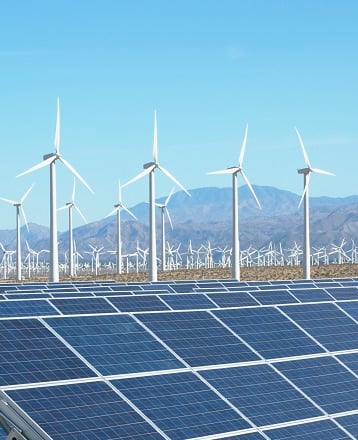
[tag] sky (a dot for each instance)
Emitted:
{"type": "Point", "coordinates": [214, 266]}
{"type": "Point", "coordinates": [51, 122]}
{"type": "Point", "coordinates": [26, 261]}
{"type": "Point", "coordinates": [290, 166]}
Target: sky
{"type": "Point", "coordinates": [208, 68]}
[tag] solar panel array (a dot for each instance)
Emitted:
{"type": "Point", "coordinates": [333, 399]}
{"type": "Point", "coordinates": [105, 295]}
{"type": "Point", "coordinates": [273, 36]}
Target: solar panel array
{"type": "Point", "coordinates": [208, 359]}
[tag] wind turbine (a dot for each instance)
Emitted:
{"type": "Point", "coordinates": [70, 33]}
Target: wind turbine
{"type": "Point", "coordinates": [50, 159]}
{"type": "Point", "coordinates": [234, 171]}
{"type": "Point", "coordinates": [164, 210]}
{"type": "Point", "coordinates": [149, 169]}
{"type": "Point", "coordinates": [305, 198]}
{"type": "Point", "coordinates": [117, 209]}
{"type": "Point", "coordinates": [19, 208]}
{"type": "Point", "coordinates": [70, 205]}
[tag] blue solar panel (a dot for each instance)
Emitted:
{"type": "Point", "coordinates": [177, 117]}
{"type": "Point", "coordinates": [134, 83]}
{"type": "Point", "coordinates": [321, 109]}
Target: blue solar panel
{"type": "Point", "coordinates": [325, 381]}
{"type": "Point", "coordinates": [311, 295]}
{"type": "Point", "coordinates": [268, 332]}
{"type": "Point", "coordinates": [233, 299]}
{"type": "Point", "coordinates": [261, 394]}
{"type": "Point", "coordinates": [29, 352]}
{"type": "Point", "coordinates": [73, 306]}
{"type": "Point", "coordinates": [350, 423]}
{"type": "Point", "coordinates": [22, 296]}
{"type": "Point", "coordinates": [114, 344]}
{"type": "Point", "coordinates": [136, 303]}
{"type": "Point", "coordinates": [251, 436]}
{"type": "Point", "coordinates": [323, 430]}
{"type": "Point", "coordinates": [189, 301]}
{"type": "Point", "coordinates": [329, 325]}
{"type": "Point", "coordinates": [351, 308]}
{"type": "Point", "coordinates": [351, 360]}
{"type": "Point", "coordinates": [16, 308]}
{"type": "Point", "coordinates": [268, 297]}
{"type": "Point", "coordinates": [343, 293]}
{"type": "Point", "coordinates": [181, 405]}
{"type": "Point", "coordinates": [184, 287]}
{"type": "Point", "coordinates": [198, 338]}
{"type": "Point", "coordinates": [86, 411]}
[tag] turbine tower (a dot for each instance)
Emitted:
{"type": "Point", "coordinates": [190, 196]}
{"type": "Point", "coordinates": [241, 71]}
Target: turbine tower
{"type": "Point", "coordinates": [305, 198]}
{"type": "Point", "coordinates": [19, 208]}
{"type": "Point", "coordinates": [149, 168]}
{"type": "Point", "coordinates": [70, 205]}
{"type": "Point", "coordinates": [164, 210]}
{"type": "Point", "coordinates": [50, 159]}
{"type": "Point", "coordinates": [234, 171]}
{"type": "Point", "coordinates": [117, 209]}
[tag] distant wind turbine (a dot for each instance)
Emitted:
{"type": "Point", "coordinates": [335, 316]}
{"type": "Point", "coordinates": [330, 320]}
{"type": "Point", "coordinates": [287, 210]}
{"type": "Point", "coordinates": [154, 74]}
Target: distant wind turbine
{"type": "Point", "coordinates": [164, 210]}
{"type": "Point", "coordinates": [70, 205]}
{"type": "Point", "coordinates": [19, 208]}
{"type": "Point", "coordinates": [117, 209]}
{"type": "Point", "coordinates": [234, 171]}
{"type": "Point", "coordinates": [50, 159]}
{"type": "Point", "coordinates": [149, 169]}
{"type": "Point", "coordinates": [305, 198]}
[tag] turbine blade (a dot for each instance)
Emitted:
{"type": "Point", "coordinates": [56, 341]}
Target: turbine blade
{"type": "Point", "coordinates": [38, 166]}
{"type": "Point", "coordinates": [112, 212]}
{"type": "Point", "coordinates": [169, 197]}
{"type": "Point", "coordinates": [80, 213]}
{"type": "Point", "coordinates": [24, 217]}
{"type": "Point", "coordinates": [129, 212]}
{"type": "Point", "coordinates": [57, 132]}
{"type": "Point", "coordinates": [26, 194]}
{"type": "Point", "coordinates": [73, 171]}
{"type": "Point", "coordinates": [226, 171]}
{"type": "Point", "coordinates": [166, 172]}
{"type": "Point", "coordinates": [318, 171]}
{"type": "Point", "coordinates": [305, 189]}
{"type": "Point", "coordinates": [169, 218]}
{"type": "Point", "coordinates": [62, 208]}
{"type": "Point", "coordinates": [155, 139]}
{"type": "Point", "coordinates": [140, 175]}
{"type": "Point", "coordinates": [243, 147]}
{"type": "Point", "coordinates": [119, 192]}
{"type": "Point", "coordinates": [307, 161]}
{"type": "Point", "coordinates": [73, 190]}
{"type": "Point", "coordinates": [250, 187]}
{"type": "Point", "coordinates": [13, 202]}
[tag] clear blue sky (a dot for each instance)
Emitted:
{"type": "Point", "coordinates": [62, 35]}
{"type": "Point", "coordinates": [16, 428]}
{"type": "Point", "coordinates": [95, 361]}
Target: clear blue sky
{"type": "Point", "coordinates": [207, 67]}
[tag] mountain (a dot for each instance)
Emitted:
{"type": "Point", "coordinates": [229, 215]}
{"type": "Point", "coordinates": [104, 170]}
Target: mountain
{"type": "Point", "coordinates": [206, 216]}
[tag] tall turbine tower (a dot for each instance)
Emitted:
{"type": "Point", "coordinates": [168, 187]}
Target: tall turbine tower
{"type": "Point", "coordinates": [149, 168]}
{"type": "Point", "coordinates": [305, 198]}
{"type": "Point", "coordinates": [234, 171]}
{"type": "Point", "coordinates": [164, 209]}
{"type": "Point", "coordinates": [117, 209]}
{"type": "Point", "coordinates": [50, 159]}
{"type": "Point", "coordinates": [19, 208]}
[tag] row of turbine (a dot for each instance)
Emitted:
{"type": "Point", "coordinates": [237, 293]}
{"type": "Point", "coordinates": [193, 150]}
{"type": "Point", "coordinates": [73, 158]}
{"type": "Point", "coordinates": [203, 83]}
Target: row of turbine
{"type": "Point", "coordinates": [149, 169]}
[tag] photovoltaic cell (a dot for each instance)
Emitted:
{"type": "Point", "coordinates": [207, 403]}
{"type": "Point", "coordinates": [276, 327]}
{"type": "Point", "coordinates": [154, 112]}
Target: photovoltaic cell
{"type": "Point", "coordinates": [325, 381]}
{"type": "Point", "coordinates": [310, 295]}
{"type": "Point", "coordinates": [323, 430]}
{"type": "Point", "coordinates": [233, 299]}
{"type": "Point", "coordinates": [268, 297]}
{"type": "Point", "coordinates": [343, 293]}
{"type": "Point", "coordinates": [351, 360]}
{"type": "Point", "coordinates": [325, 322]}
{"type": "Point", "coordinates": [73, 306]}
{"type": "Point", "coordinates": [137, 303]}
{"type": "Point", "coordinates": [181, 405]}
{"type": "Point", "coordinates": [350, 423]}
{"type": "Point", "coordinates": [268, 332]}
{"type": "Point", "coordinates": [29, 307]}
{"type": "Point", "coordinates": [85, 411]}
{"type": "Point", "coordinates": [351, 308]}
{"type": "Point", "coordinates": [261, 394]}
{"type": "Point", "coordinates": [114, 344]}
{"type": "Point", "coordinates": [189, 301]}
{"type": "Point", "coordinates": [197, 337]}
{"type": "Point", "coordinates": [30, 353]}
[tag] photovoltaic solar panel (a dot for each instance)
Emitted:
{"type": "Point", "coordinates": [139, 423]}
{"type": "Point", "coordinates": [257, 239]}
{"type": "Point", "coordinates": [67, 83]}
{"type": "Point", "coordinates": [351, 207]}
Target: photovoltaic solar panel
{"type": "Point", "coordinates": [322, 430]}
{"type": "Point", "coordinates": [137, 303]}
{"type": "Point", "coordinates": [233, 299]}
{"type": "Point", "coordinates": [84, 411]}
{"type": "Point", "coordinates": [261, 394]}
{"type": "Point", "coordinates": [268, 332]}
{"type": "Point", "coordinates": [73, 306]}
{"type": "Point", "coordinates": [351, 360]}
{"type": "Point", "coordinates": [325, 322]}
{"type": "Point", "coordinates": [188, 301]}
{"type": "Point", "coordinates": [351, 308]}
{"type": "Point", "coordinates": [251, 436]}
{"type": "Point", "coordinates": [22, 296]}
{"type": "Point", "coordinates": [36, 307]}
{"type": "Point", "coordinates": [29, 352]}
{"type": "Point", "coordinates": [268, 297]}
{"type": "Point", "coordinates": [181, 405]}
{"type": "Point", "coordinates": [114, 344]}
{"type": "Point", "coordinates": [350, 423]}
{"type": "Point", "coordinates": [311, 295]}
{"type": "Point", "coordinates": [343, 293]}
{"type": "Point", "coordinates": [325, 381]}
{"type": "Point", "coordinates": [198, 338]}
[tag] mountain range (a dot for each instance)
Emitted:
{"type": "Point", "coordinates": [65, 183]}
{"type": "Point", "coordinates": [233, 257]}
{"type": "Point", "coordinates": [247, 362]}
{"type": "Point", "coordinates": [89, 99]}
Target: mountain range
{"type": "Point", "coordinates": [206, 216]}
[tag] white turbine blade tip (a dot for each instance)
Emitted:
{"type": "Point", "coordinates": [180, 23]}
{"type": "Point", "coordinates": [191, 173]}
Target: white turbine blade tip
{"type": "Point", "coordinates": [73, 171]}
{"type": "Point", "coordinates": [243, 147]}
{"type": "Point", "coordinates": [318, 171]}
{"type": "Point", "coordinates": [139, 176]}
{"type": "Point", "coordinates": [168, 174]}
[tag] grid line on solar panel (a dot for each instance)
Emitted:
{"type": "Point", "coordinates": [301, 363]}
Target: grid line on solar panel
{"type": "Point", "coordinates": [327, 382]}
{"type": "Point", "coordinates": [329, 325]}
{"type": "Point", "coordinates": [268, 332]}
{"type": "Point", "coordinates": [88, 411]}
{"type": "Point", "coordinates": [114, 344]}
{"type": "Point", "coordinates": [182, 405]}
{"type": "Point", "coordinates": [197, 337]}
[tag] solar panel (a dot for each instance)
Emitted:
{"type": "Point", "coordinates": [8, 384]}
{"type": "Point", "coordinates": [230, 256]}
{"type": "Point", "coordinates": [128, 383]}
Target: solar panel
{"type": "Point", "coordinates": [233, 299]}
{"type": "Point", "coordinates": [88, 411]}
{"type": "Point", "coordinates": [261, 394]}
{"type": "Point", "coordinates": [325, 322]}
{"type": "Point", "coordinates": [343, 293]}
{"type": "Point", "coordinates": [322, 430]}
{"type": "Point", "coordinates": [29, 352]}
{"type": "Point", "coordinates": [181, 405]}
{"type": "Point", "coordinates": [188, 301]}
{"type": "Point", "coordinates": [268, 332]}
{"type": "Point", "coordinates": [198, 338]}
{"type": "Point", "coordinates": [137, 303]}
{"type": "Point", "coordinates": [114, 344]}
{"type": "Point", "coordinates": [350, 360]}
{"type": "Point", "coordinates": [350, 423]}
{"type": "Point", "coordinates": [311, 295]}
{"type": "Point", "coordinates": [36, 307]}
{"type": "Point", "coordinates": [82, 305]}
{"type": "Point", "coordinates": [268, 297]}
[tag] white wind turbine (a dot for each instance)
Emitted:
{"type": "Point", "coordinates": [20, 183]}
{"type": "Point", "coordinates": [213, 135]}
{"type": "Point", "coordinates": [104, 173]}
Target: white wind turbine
{"type": "Point", "coordinates": [50, 159]}
{"type": "Point", "coordinates": [234, 171]}
{"type": "Point", "coordinates": [117, 209]}
{"type": "Point", "coordinates": [164, 210]}
{"type": "Point", "coordinates": [19, 208]}
{"type": "Point", "coordinates": [149, 169]}
{"type": "Point", "coordinates": [305, 198]}
{"type": "Point", "coordinates": [70, 205]}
